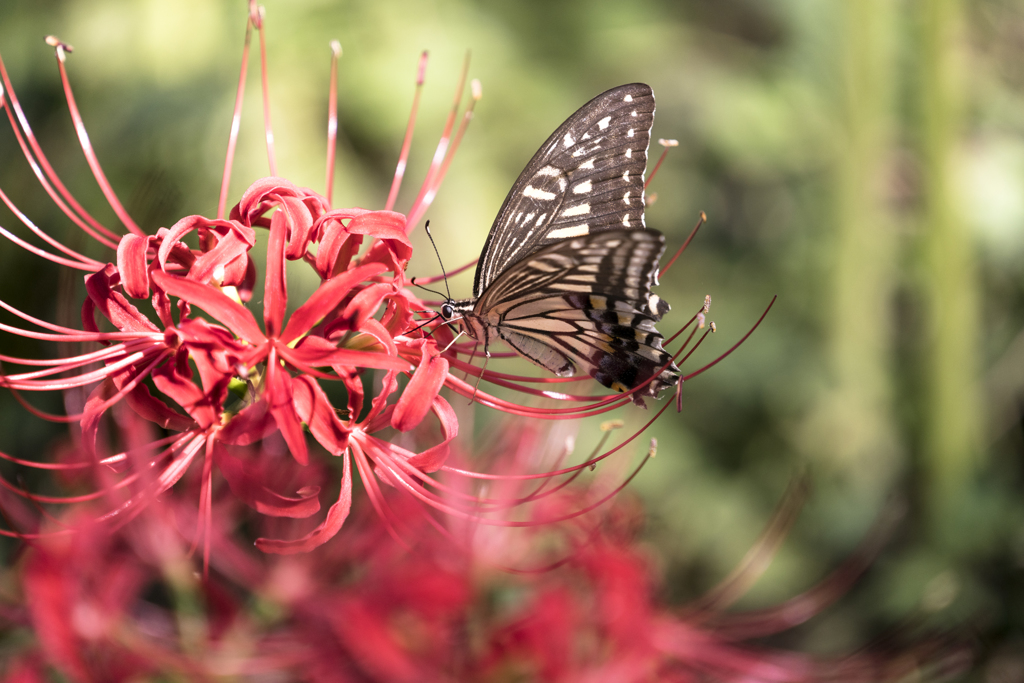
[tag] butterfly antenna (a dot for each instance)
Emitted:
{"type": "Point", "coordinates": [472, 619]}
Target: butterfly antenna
{"type": "Point", "coordinates": [412, 282]}
{"type": "Point", "coordinates": [424, 324]}
{"type": "Point", "coordinates": [427, 228]}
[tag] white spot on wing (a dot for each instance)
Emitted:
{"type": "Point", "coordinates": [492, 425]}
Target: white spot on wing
{"type": "Point", "coordinates": [584, 187]}
{"type": "Point", "coordinates": [548, 171]}
{"type": "Point", "coordinates": [627, 98]}
{"type": "Point", "coordinates": [633, 113]}
{"type": "Point", "coordinates": [625, 220]}
{"type": "Point", "coordinates": [587, 165]}
{"type": "Point", "coordinates": [625, 176]}
{"type": "Point", "coordinates": [541, 219]}
{"type": "Point", "coordinates": [568, 141]}
{"type": "Point", "coordinates": [603, 123]}
{"type": "Point", "coordinates": [625, 198]}
{"type": "Point", "coordinates": [578, 210]}
{"type": "Point", "coordinates": [572, 231]}
{"type": "Point", "coordinates": [629, 133]}
{"type": "Point", "coordinates": [533, 193]}
{"type": "Point", "coordinates": [629, 153]}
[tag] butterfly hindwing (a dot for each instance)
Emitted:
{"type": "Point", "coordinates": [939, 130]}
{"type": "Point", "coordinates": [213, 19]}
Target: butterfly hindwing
{"type": "Point", "coordinates": [587, 177]}
{"type": "Point", "coordinates": [586, 304]}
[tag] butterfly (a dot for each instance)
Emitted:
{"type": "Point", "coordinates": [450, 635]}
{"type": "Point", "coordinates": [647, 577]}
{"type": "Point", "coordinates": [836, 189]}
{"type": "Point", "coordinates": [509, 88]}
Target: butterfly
{"type": "Point", "coordinates": [565, 275]}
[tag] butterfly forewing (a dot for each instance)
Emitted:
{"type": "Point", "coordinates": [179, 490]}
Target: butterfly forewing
{"type": "Point", "coordinates": [587, 177]}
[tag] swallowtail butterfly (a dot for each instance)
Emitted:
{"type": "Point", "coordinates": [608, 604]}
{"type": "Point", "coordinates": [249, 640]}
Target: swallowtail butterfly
{"type": "Point", "coordinates": [566, 273]}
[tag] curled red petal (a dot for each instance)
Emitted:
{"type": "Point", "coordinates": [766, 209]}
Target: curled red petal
{"type": "Point", "coordinates": [336, 248]}
{"type": "Point", "coordinates": [131, 264]}
{"type": "Point", "coordinates": [229, 249]}
{"type": "Point", "coordinates": [230, 313]}
{"type": "Point", "coordinates": [387, 225]}
{"type": "Point", "coordinates": [421, 391]}
{"type": "Point", "coordinates": [300, 224]}
{"type": "Point", "coordinates": [202, 407]}
{"type": "Point", "coordinates": [252, 206]}
{"type": "Point", "coordinates": [312, 356]}
{"type": "Point", "coordinates": [254, 493]}
{"type": "Point", "coordinates": [275, 292]}
{"type": "Point", "coordinates": [365, 303]}
{"type": "Point", "coordinates": [280, 405]}
{"type": "Point", "coordinates": [249, 425]}
{"type": "Point", "coordinates": [113, 305]}
{"type": "Point", "coordinates": [336, 516]}
{"type": "Point", "coordinates": [325, 298]}
{"type": "Point", "coordinates": [434, 457]}
{"type": "Point", "coordinates": [153, 409]}
{"type": "Point", "coordinates": [315, 409]}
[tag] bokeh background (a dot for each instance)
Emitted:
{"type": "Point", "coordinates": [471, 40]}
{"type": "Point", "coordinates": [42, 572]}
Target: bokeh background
{"type": "Point", "coordinates": [862, 160]}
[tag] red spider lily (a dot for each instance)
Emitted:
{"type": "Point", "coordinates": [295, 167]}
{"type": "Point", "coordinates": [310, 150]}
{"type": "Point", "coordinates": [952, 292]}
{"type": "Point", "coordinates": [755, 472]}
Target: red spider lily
{"type": "Point", "coordinates": [190, 358]}
{"type": "Point", "coordinates": [222, 380]}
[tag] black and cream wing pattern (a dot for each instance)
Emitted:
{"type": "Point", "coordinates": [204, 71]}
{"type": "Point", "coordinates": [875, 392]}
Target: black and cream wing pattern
{"type": "Point", "coordinates": [565, 276]}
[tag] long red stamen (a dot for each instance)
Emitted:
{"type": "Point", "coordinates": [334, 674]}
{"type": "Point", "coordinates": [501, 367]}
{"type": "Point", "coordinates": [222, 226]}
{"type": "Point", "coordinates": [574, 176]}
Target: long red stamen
{"type": "Point", "coordinates": [686, 243]}
{"type": "Point", "coordinates": [86, 145]}
{"type": "Point", "coordinates": [734, 346]}
{"type": "Point", "coordinates": [236, 117]}
{"type": "Point", "coordinates": [332, 121]}
{"type": "Point", "coordinates": [666, 145]}
{"type": "Point", "coordinates": [403, 156]}
{"type": "Point", "coordinates": [265, 89]}
{"type": "Point", "coordinates": [429, 188]}
{"type": "Point", "coordinates": [44, 172]}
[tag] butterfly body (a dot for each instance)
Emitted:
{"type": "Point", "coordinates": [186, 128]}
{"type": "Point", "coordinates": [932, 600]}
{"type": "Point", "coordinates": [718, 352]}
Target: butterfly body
{"type": "Point", "coordinates": [566, 273]}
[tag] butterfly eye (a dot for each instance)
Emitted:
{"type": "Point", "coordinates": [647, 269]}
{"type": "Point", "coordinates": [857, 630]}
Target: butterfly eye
{"type": "Point", "coordinates": [447, 311]}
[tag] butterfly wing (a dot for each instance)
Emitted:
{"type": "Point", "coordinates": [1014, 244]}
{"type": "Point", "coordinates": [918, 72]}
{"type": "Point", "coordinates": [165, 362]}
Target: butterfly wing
{"type": "Point", "coordinates": [588, 177]}
{"type": "Point", "coordinates": [586, 304]}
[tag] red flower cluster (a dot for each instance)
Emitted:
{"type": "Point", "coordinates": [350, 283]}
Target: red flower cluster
{"type": "Point", "coordinates": [123, 606]}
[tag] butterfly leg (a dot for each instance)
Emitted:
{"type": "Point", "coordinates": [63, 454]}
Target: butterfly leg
{"type": "Point", "coordinates": [487, 357]}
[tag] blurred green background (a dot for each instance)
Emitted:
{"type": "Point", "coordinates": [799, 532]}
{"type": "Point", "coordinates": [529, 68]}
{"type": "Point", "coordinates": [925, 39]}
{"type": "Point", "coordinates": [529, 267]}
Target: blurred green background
{"type": "Point", "coordinates": [864, 160]}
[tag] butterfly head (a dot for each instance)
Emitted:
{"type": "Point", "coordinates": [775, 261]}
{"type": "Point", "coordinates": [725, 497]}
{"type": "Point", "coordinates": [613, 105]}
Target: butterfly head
{"type": "Point", "coordinates": [447, 310]}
